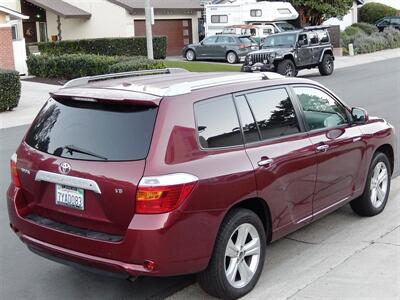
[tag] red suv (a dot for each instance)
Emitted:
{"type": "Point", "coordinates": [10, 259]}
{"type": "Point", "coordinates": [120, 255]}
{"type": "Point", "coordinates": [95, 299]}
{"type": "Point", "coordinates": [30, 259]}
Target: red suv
{"type": "Point", "coordinates": [180, 172]}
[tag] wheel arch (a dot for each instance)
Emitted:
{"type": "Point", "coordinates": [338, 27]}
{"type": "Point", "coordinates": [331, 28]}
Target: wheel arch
{"type": "Point", "coordinates": [261, 209]}
{"type": "Point", "coordinates": [286, 56]}
{"type": "Point", "coordinates": [388, 150]}
{"type": "Point", "coordinates": [326, 51]}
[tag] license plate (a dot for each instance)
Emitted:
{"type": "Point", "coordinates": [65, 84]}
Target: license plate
{"type": "Point", "coordinates": [70, 197]}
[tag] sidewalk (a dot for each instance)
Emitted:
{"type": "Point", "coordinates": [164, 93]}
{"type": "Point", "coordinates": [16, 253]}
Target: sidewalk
{"type": "Point", "coordinates": [34, 95]}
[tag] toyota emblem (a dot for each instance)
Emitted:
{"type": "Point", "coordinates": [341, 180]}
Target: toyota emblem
{"type": "Point", "coordinates": [64, 168]}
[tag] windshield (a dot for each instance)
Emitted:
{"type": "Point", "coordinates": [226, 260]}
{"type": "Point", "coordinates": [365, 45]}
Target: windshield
{"type": "Point", "coordinates": [281, 40]}
{"type": "Point", "coordinates": [93, 131]}
{"type": "Point", "coordinates": [285, 26]}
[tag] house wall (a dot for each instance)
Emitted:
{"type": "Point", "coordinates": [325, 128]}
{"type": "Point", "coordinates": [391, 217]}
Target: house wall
{"type": "Point", "coordinates": [6, 47]}
{"type": "Point", "coordinates": [108, 20]}
{"type": "Point", "coordinates": [14, 5]}
{"type": "Point", "coordinates": [348, 20]}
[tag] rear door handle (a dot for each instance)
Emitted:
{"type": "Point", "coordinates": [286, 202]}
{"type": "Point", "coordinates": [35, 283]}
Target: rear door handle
{"type": "Point", "coordinates": [265, 162]}
{"type": "Point", "coordinates": [322, 148]}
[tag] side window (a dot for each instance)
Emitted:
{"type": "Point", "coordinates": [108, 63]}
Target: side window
{"type": "Point", "coordinates": [256, 13]}
{"type": "Point", "coordinates": [249, 125]}
{"type": "Point", "coordinates": [320, 109]}
{"type": "Point", "coordinates": [303, 39]}
{"type": "Point", "coordinates": [313, 38]}
{"type": "Point", "coordinates": [223, 40]}
{"type": "Point", "coordinates": [323, 36]}
{"type": "Point", "coordinates": [274, 113]}
{"type": "Point", "coordinates": [219, 19]}
{"type": "Point", "coordinates": [231, 40]}
{"type": "Point", "coordinates": [395, 21]}
{"type": "Point", "coordinates": [210, 40]}
{"type": "Point", "coordinates": [217, 123]}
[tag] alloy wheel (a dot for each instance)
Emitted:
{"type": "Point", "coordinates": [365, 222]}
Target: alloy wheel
{"type": "Point", "coordinates": [242, 255]}
{"type": "Point", "coordinates": [231, 58]}
{"type": "Point", "coordinates": [379, 185]}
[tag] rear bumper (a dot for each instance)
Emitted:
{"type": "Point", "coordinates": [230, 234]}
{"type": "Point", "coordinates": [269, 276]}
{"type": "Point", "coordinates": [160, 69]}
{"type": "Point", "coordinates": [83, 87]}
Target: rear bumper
{"type": "Point", "coordinates": [165, 239]}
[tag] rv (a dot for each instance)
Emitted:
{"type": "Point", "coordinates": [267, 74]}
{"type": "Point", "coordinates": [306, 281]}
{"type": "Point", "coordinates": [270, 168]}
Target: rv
{"type": "Point", "coordinates": [274, 14]}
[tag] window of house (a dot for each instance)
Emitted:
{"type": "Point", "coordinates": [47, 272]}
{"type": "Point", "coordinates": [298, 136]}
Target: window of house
{"type": "Point", "coordinates": [14, 32]}
{"type": "Point", "coordinates": [219, 19]}
{"type": "Point", "coordinates": [320, 109]}
{"type": "Point", "coordinates": [274, 113]}
{"type": "Point", "coordinates": [256, 13]}
{"type": "Point", "coordinates": [217, 123]}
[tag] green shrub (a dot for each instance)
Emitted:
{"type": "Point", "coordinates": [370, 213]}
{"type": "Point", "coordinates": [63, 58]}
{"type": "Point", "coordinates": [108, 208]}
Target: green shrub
{"type": "Point", "coordinates": [367, 28]}
{"type": "Point", "coordinates": [352, 30]}
{"type": "Point", "coordinates": [135, 46]}
{"type": "Point", "coordinates": [372, 12]}
{"type": "Point", "coordinates": [10, 89]}
{"type": "Point", "coordinates": [70, 66]}
{"type": "Point", "coordinates": [138, 64]}
{"type": "Point", "coordinates": [388, 39]}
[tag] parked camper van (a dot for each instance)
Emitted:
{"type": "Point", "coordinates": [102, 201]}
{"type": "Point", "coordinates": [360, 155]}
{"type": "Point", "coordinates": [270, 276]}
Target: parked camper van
{"type": "Point", "coordinates": [273, 14]}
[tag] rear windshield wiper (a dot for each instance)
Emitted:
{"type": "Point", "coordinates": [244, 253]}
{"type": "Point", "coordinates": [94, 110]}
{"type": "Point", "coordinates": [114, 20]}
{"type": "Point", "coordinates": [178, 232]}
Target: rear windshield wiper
{"type": "Point", "coordinates": [72, 148]}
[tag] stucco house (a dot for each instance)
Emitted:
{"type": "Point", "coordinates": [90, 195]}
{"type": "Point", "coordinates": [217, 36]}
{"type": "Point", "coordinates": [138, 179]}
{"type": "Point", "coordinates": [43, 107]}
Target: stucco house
{"type": "Point", "coordinates": [83, 19]}
{"type": "Point", "coordinates": [12, 44]}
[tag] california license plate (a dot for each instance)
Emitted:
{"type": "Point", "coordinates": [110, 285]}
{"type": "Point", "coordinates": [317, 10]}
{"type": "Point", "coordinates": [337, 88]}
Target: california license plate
{"type": "Point", "coordinates": [70, 197]}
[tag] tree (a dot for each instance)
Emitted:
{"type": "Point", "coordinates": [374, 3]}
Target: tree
{"type": "Point", "coordinates": [315, 12]}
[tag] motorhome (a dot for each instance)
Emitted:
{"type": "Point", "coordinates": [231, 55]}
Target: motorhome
{"type": "Point", "coordinates": [274, 14]}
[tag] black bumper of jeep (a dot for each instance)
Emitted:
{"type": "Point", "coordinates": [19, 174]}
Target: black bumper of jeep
{"type": "Point", "coordinates": [259, 67]}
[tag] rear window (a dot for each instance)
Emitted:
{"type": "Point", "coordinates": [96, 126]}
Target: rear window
{"type": "Point", "coordinates": [246, 40]}
{"type": "Point", "coordinates": [93, 131]}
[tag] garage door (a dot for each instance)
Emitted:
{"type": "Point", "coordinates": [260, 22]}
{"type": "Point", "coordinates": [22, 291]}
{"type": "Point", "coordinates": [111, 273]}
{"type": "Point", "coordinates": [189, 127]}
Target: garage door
{"type": "Point", "coordinates": [179, 33]}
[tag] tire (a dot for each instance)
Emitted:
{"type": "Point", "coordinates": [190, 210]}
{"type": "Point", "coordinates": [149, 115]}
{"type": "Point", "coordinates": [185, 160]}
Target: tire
{"type": "Point", "coordinates": [190, 55]}
{"type": "Point", "coordinates": [327, 65]}
{"type": "Point", "coordinates": [214, 280]}
{"type": "Point", "coordinates": [372, 202]}
{"type": "Point", "coordinates": [231, 57]}
{"type": "Point", "coordinates": [287, 68]}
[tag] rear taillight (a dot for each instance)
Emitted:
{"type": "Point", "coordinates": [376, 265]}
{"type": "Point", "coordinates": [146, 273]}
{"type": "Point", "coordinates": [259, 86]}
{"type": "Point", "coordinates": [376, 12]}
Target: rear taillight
{"type": "Point", "coordinates": [243, 46]}
{"type": "Point", "coordinates": [161, 194]}
{"type": "Point", "coordinates": [14, 171]}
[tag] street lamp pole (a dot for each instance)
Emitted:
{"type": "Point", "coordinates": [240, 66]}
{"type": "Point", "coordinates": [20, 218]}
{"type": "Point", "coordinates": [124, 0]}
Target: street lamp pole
{"type": "Point", "coordinates": [149, 33]}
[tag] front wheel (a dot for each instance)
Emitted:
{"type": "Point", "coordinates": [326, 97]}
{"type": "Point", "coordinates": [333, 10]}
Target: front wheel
{"type": "Point", "coordinates": [287, 68]}
{"type": "Point", "coordinates": [190, 55]}
{"type": "Point", "coordinates": [327, 65]}
{"type": "Point", "coordinates": [238, 257]}
{"type": "Point", "coordinates": [376, 191]}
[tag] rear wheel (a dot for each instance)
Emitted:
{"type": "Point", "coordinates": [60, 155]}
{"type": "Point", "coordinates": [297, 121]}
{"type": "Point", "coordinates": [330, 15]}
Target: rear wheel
{"type": "Point", "coordinates": [326, 66]}
{"type": "Point", "coordinates": [190, 55]}
{"type": "Point", "coordinates": [238, 257]}
{"type": "Point", "coordinates": [287, 68]}
{"type": "Point", "coordinates": [376, 191]}
{"type": "Point", "coordinates": [232, 57]}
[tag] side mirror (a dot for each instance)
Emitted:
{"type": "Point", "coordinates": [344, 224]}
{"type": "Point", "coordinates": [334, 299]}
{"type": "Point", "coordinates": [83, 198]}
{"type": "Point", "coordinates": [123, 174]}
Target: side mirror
{"type": "Point", "coordinates": [360, 115]}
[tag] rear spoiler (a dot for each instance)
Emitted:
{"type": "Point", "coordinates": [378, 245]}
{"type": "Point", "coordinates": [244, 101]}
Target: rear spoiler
{"type": "Point", "coordinates": [111, 96]}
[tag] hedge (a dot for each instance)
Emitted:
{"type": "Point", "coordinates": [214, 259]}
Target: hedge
{"type": "Point", "coordinates": [372, 12]}
{"type": "Point", "coordinates": [366, 27]}
{"type": "Point", "coordinates": [364, 43]}
{"type": "Point", "coordinates": [10, 89]}
{"type": "Point", "coordinates": [70, 66]}
{"type": "Point", "coordinates": [135, 46]}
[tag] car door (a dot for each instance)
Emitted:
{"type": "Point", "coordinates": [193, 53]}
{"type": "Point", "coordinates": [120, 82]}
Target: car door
{"type": "Point", "coordinates": [339, 146]}
{"type": "Point", "coordinates": [304, 51]}
{"type": "Point", "coordinates": [282, 156]}
{"type": "Point", "coordinates": [222, 46]}
{"type": "Point", "coordinates": [207, 48]}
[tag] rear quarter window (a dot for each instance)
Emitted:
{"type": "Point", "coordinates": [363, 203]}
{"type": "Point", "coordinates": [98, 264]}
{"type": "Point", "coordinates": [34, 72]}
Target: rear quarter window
{"type": "Point", "coordinates": [217, 123]}
{"type": "Point", "coordinates": [93, 131]}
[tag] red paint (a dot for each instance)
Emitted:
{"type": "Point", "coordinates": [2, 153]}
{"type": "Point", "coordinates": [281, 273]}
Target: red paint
{"type": "Point", "coordinates": [298, 184]}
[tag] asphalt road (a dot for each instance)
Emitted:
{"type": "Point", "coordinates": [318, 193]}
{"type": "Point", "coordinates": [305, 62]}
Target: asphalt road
{"type": "Point", "coordinates": [23, 275]}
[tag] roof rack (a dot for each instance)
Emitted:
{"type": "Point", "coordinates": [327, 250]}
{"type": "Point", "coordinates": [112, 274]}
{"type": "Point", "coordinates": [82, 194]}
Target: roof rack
{"type": "Point", "coordinates": [188, 87]}
{"type": "Point", "coordinates": [320, 27]}
{"type": "Point", "coordinates": [85, 80]}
